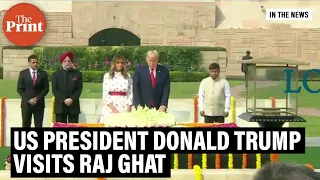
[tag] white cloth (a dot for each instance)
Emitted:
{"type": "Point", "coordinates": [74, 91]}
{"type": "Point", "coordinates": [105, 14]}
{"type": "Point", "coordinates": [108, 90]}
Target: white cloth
{"type": "Point", "coordinates": [226, 93]}
{"type": "Point", "coordinates": [116, 84]}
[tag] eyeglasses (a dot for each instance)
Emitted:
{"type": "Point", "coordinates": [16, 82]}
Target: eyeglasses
{"type": "Point", "coordinates": [119, 63]}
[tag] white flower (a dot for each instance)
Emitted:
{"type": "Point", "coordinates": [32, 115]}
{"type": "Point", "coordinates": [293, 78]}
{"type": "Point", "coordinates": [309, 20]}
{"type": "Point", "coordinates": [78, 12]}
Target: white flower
{"type": "Point", "coordinates": [140, 117]}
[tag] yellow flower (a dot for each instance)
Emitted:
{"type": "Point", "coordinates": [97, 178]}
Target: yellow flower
{"type": "Point", "coordinates": [198, 172]}
{"type": "Point", "coordinates": [175, 161]}
{"type": "Point", "coordinates": [230, 161]}
{"type": "Point", "coordinates": [258, 161]}
{"type": "Point", "coordinates": [204, 161]}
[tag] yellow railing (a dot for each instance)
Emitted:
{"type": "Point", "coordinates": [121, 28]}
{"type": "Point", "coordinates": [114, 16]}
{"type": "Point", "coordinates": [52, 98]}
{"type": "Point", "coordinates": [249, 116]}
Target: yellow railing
{"type": "Point", "coordinates": [233, 114]}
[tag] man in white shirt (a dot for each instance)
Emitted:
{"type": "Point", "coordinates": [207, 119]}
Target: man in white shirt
{"type": "Point", "coordinates": [214, 96]}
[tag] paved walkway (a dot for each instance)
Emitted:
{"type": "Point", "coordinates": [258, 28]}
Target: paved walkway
{"type": "Point", "coordinates": [238, 90]}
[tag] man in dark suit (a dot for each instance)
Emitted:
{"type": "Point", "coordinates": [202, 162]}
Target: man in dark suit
{"type": "Point", "coordinates": [244, 67]}
{"type": "Point", "coordinates": [33, 86]}
{"type": "Point", "coordinates": [67, 87]}
{"type": "Point", "coordinates": [151, 84]}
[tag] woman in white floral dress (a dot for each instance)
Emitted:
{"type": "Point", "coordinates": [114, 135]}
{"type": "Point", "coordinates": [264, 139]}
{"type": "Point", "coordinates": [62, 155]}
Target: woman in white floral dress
{"type": "Point", "coordinates": [117, 89]}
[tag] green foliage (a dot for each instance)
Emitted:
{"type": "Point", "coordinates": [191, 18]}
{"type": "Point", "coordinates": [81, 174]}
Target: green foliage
{"type": "Point", "coordinates": [176, 58]}
{"type": "Point", "coordinates": [175, 76]}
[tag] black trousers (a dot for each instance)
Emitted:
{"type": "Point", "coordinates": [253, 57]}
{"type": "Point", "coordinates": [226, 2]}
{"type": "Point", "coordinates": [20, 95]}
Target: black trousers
{"type": "Point", "coordinates": [213, 119]}
{"type": "Point", "coordinates": [28, 112]}
{"type": "Point", "coordinates": [67, 118]}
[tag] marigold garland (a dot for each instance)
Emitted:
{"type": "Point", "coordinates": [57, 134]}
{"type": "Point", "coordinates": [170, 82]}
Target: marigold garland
{"type": "Point", "coordinates": [218, 161]}
{"type": "Point", "coordinates": [274, 158]}
{"type": "Point", "coordinates": [190, 161]}
{"type": "Point", "coordinates": [175, 161]}
{"type": "Point", "coordinates": [198, 172]}
{"type": "Point", "coordinates": [244, 161]}
{"type": "Point", "coordinates": [100, 178]}
{"type": "Point", "coordinates": [3, 119]}
{"type": "Point", "coordinates": [258, 161]}
{"type": "Point", "coordinates": [230, 161]}
{"type": "Point", "coordinates": [310, 166]}
{"type": "Point", "coordinates": [195, 111]}
{"type": "Point", "coordinates": [204, 161]}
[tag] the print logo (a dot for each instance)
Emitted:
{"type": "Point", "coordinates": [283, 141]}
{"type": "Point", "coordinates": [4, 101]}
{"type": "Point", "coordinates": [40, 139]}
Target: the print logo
{"type": "Point", "coordinates": [24, 24]}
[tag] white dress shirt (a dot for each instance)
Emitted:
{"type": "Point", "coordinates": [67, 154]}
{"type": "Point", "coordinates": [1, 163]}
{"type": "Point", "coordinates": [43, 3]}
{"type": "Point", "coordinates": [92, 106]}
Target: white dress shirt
{"type": "Point", "coordinates": [227, 94]}
{"type": "Point", "coordinates": [154, 71]}
{"type": "Point", "coordinates": [31, 73]}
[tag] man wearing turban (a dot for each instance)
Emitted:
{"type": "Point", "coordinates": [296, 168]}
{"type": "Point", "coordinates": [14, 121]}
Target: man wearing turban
{"type": "Point", "coordinates": [67, 87]}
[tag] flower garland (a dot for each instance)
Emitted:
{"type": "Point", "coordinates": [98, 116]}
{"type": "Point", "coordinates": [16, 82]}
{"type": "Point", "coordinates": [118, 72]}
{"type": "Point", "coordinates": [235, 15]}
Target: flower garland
{"type": "Point", "coordinates": [218, 161]}
{"type": "Point", "coordinates": [204, 161]}
{"type": "Point", "coordinates": [310, 166]}
{"type": "Point", "coordinates": [190, 161]}
{"type": "Point", "coordinates": [230, 161]}
{"type": "Point", "coordinates": [195, 111]}
{"type": "Point", "coordinates": [258, 161]}
{"type": "Point", "coordinates": [198, 172]}
{"type": "Point", "coordinates": [244, 161]}
{"type": "Point", "coordinates": [3, 119]}
{"type": "Point", "coordinates": [100, 178]}
{"type": "Point", "coordinates": [175, 161]}
{"type": "Point", "coordinates": [274, 157]}
{"type": "Point", "coordinates": [233, 110]}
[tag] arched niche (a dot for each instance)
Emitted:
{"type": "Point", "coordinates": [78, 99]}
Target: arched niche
{"type": "Point", "coordinates": [114, 37]}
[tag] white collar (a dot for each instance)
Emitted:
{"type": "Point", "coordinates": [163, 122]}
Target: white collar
{"type": "Point", "coordinates": [31, 70]}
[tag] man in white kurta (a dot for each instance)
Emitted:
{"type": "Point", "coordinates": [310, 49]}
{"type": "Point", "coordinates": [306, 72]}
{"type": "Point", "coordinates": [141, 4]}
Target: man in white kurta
{"type": "Point", "coordinates": [214, 96]}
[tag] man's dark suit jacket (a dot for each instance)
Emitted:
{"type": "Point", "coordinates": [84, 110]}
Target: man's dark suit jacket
{"type": "Point", "coordinates": [27, 90]}
{"type": "Point", "coordinates": [144, 94]}
{"type": "Point", "coordinates": [244, 67]}
{"type": "Point", "coordinates": [67, 84]}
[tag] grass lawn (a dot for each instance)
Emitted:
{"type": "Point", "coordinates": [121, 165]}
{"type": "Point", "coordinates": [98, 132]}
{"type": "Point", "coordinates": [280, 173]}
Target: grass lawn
{"type": "Point", "coordinates": [312, 126]}
{"type": "Point", "coordinates": [305, 99]}
{"type": "Point", "coordinates": [179, 90]}
{"type": "Point", "coordinates": [308, 158]}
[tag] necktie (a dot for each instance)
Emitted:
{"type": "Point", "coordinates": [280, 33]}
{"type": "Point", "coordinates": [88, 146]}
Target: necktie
{"type": "Point", "coordinates": [153, 81]}
{"type": "Point", "coordinates": [34, 78]}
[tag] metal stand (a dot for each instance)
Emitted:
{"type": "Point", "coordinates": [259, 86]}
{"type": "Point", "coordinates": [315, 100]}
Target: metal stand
{"type": "Point", "coordinates": [265, 121]}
